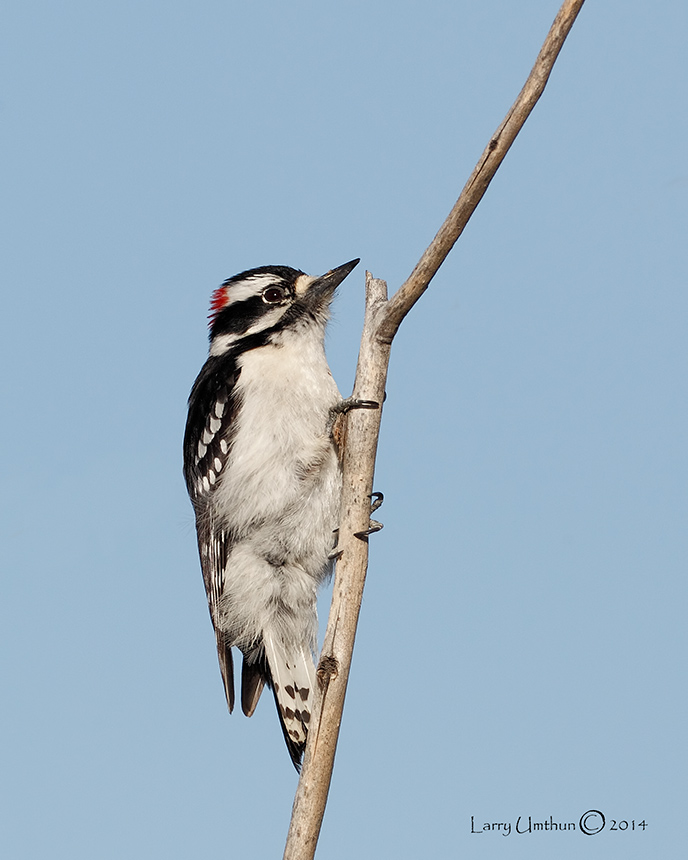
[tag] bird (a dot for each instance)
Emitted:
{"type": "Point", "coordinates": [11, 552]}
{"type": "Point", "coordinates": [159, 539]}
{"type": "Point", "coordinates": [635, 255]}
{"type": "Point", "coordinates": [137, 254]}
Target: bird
{"type": "Point", "coordinates": [263, 472]}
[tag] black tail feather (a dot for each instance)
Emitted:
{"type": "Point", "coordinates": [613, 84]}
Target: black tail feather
{"type": "Point", "coordinates": [224, 655]}
{"type": "Point", "coordinates": [253, 678]}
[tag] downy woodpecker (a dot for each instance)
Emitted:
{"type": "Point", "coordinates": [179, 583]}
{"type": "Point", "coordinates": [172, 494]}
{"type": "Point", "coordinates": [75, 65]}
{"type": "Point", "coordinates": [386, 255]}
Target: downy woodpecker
{"type": "Point", "coordinates": [262, 470]}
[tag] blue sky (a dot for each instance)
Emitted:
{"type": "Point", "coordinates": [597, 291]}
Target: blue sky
{"type": "Point", "coordinates": [522, 646]}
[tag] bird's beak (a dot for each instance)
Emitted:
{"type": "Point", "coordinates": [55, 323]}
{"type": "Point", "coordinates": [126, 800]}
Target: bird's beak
{"type": "Point", "coordinates": [326, 284]}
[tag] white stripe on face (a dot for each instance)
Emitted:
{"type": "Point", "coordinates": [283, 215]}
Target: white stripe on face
{"type": "Point", "coordinates": [250, 287]}
{"type": "Point", "coordinates": [222, 342]}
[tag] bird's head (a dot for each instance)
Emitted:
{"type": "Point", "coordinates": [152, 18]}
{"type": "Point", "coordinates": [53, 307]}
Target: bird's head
{"type": "Point", "coordinates": [260, 303]}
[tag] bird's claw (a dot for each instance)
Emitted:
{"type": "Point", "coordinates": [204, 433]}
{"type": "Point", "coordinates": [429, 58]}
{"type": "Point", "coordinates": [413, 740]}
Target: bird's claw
{"type": "Point", "coordinates": [349, 403]}
{"type": "Point", "coordinates": [372, 528]}
{"type": "Point", "coordinates": [376, 499]}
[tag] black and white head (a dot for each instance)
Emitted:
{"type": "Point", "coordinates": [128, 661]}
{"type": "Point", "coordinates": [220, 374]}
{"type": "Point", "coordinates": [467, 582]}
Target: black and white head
{"type": "Point", "coordinates": [254, 307]}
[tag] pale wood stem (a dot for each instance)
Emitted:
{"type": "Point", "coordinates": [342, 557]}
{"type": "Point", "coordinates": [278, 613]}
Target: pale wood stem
{"type": "Point", "coordinates": [493, 155]}
{"type": "Point", "coordinates": [382, 320]}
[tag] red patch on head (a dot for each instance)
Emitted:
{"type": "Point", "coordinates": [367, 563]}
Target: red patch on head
{"type": "Point", "coordinates": [217, 302]}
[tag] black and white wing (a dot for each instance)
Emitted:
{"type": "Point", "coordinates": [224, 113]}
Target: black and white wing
{"type": "Point", "coordinates": [207, 445]}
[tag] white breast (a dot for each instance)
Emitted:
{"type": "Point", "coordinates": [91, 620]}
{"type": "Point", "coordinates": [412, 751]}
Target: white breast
{"type": "Point", "coordinates": [281, 484]}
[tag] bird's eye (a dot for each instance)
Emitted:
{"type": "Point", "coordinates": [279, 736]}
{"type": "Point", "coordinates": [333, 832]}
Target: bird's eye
{"type": "Point", "coordinates": [273, 295]}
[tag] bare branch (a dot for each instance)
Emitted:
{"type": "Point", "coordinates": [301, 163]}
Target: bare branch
{"type": "Point", "coordinates": [495, 151]}
{"type": "Point", "coordinates": [363, 427]}
{"type": "Point", "coordinates": [382, 320]}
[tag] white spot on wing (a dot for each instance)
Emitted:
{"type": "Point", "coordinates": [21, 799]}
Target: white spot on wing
{"type": "Point", "coordinates": [219, 408]}
{"type": "Point", "coordinates": [206, 484]}
{"type": "Point", "coordinates": [201, 450]}
{"type": "Point", "coordinates": [218, 464]}
{"type": "Point", "coordinates": [215, 424]}
{"type": "Point", "coordinates": [211, 476]}
{"type": "Point", "coordinates": [224, 447]}
{"type": "Point", "coordinates": [207, 437]}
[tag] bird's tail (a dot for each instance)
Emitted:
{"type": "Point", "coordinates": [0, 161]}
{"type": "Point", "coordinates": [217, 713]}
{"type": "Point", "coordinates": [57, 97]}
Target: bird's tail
{"type": "Point", "coordinates": [293, 684]}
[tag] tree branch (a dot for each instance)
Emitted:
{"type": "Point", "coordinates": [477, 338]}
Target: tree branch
{"type": "Point", "coordinates": [363, 427]}
{"type": "Point", "coordinates": [493, 155]}
{"type": "Point", "coordinates": [382, 320]}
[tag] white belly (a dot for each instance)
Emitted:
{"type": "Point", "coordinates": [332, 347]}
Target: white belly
{"type": "Point", "coordinates": [279, 493]}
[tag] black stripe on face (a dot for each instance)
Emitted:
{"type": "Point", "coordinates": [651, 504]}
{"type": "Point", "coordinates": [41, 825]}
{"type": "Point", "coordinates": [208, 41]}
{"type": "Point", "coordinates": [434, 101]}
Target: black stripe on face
{"type": "Point", "coordinates": [248, 299]}
{"type": "Point", "coordinates": [238, 317]}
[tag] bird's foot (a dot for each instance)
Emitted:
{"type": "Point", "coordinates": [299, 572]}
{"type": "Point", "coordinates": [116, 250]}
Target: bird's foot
{"type": "Point", "coordinates": [349, 403]}
{"type": "Point", "coordinates": [337, 412]}
{"type": "Point", "coordinates": [372, 528]}
{"type": "Point", "coordinates": [375, 501]}
{"type": "Point", "coordinates": [336, 554]}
